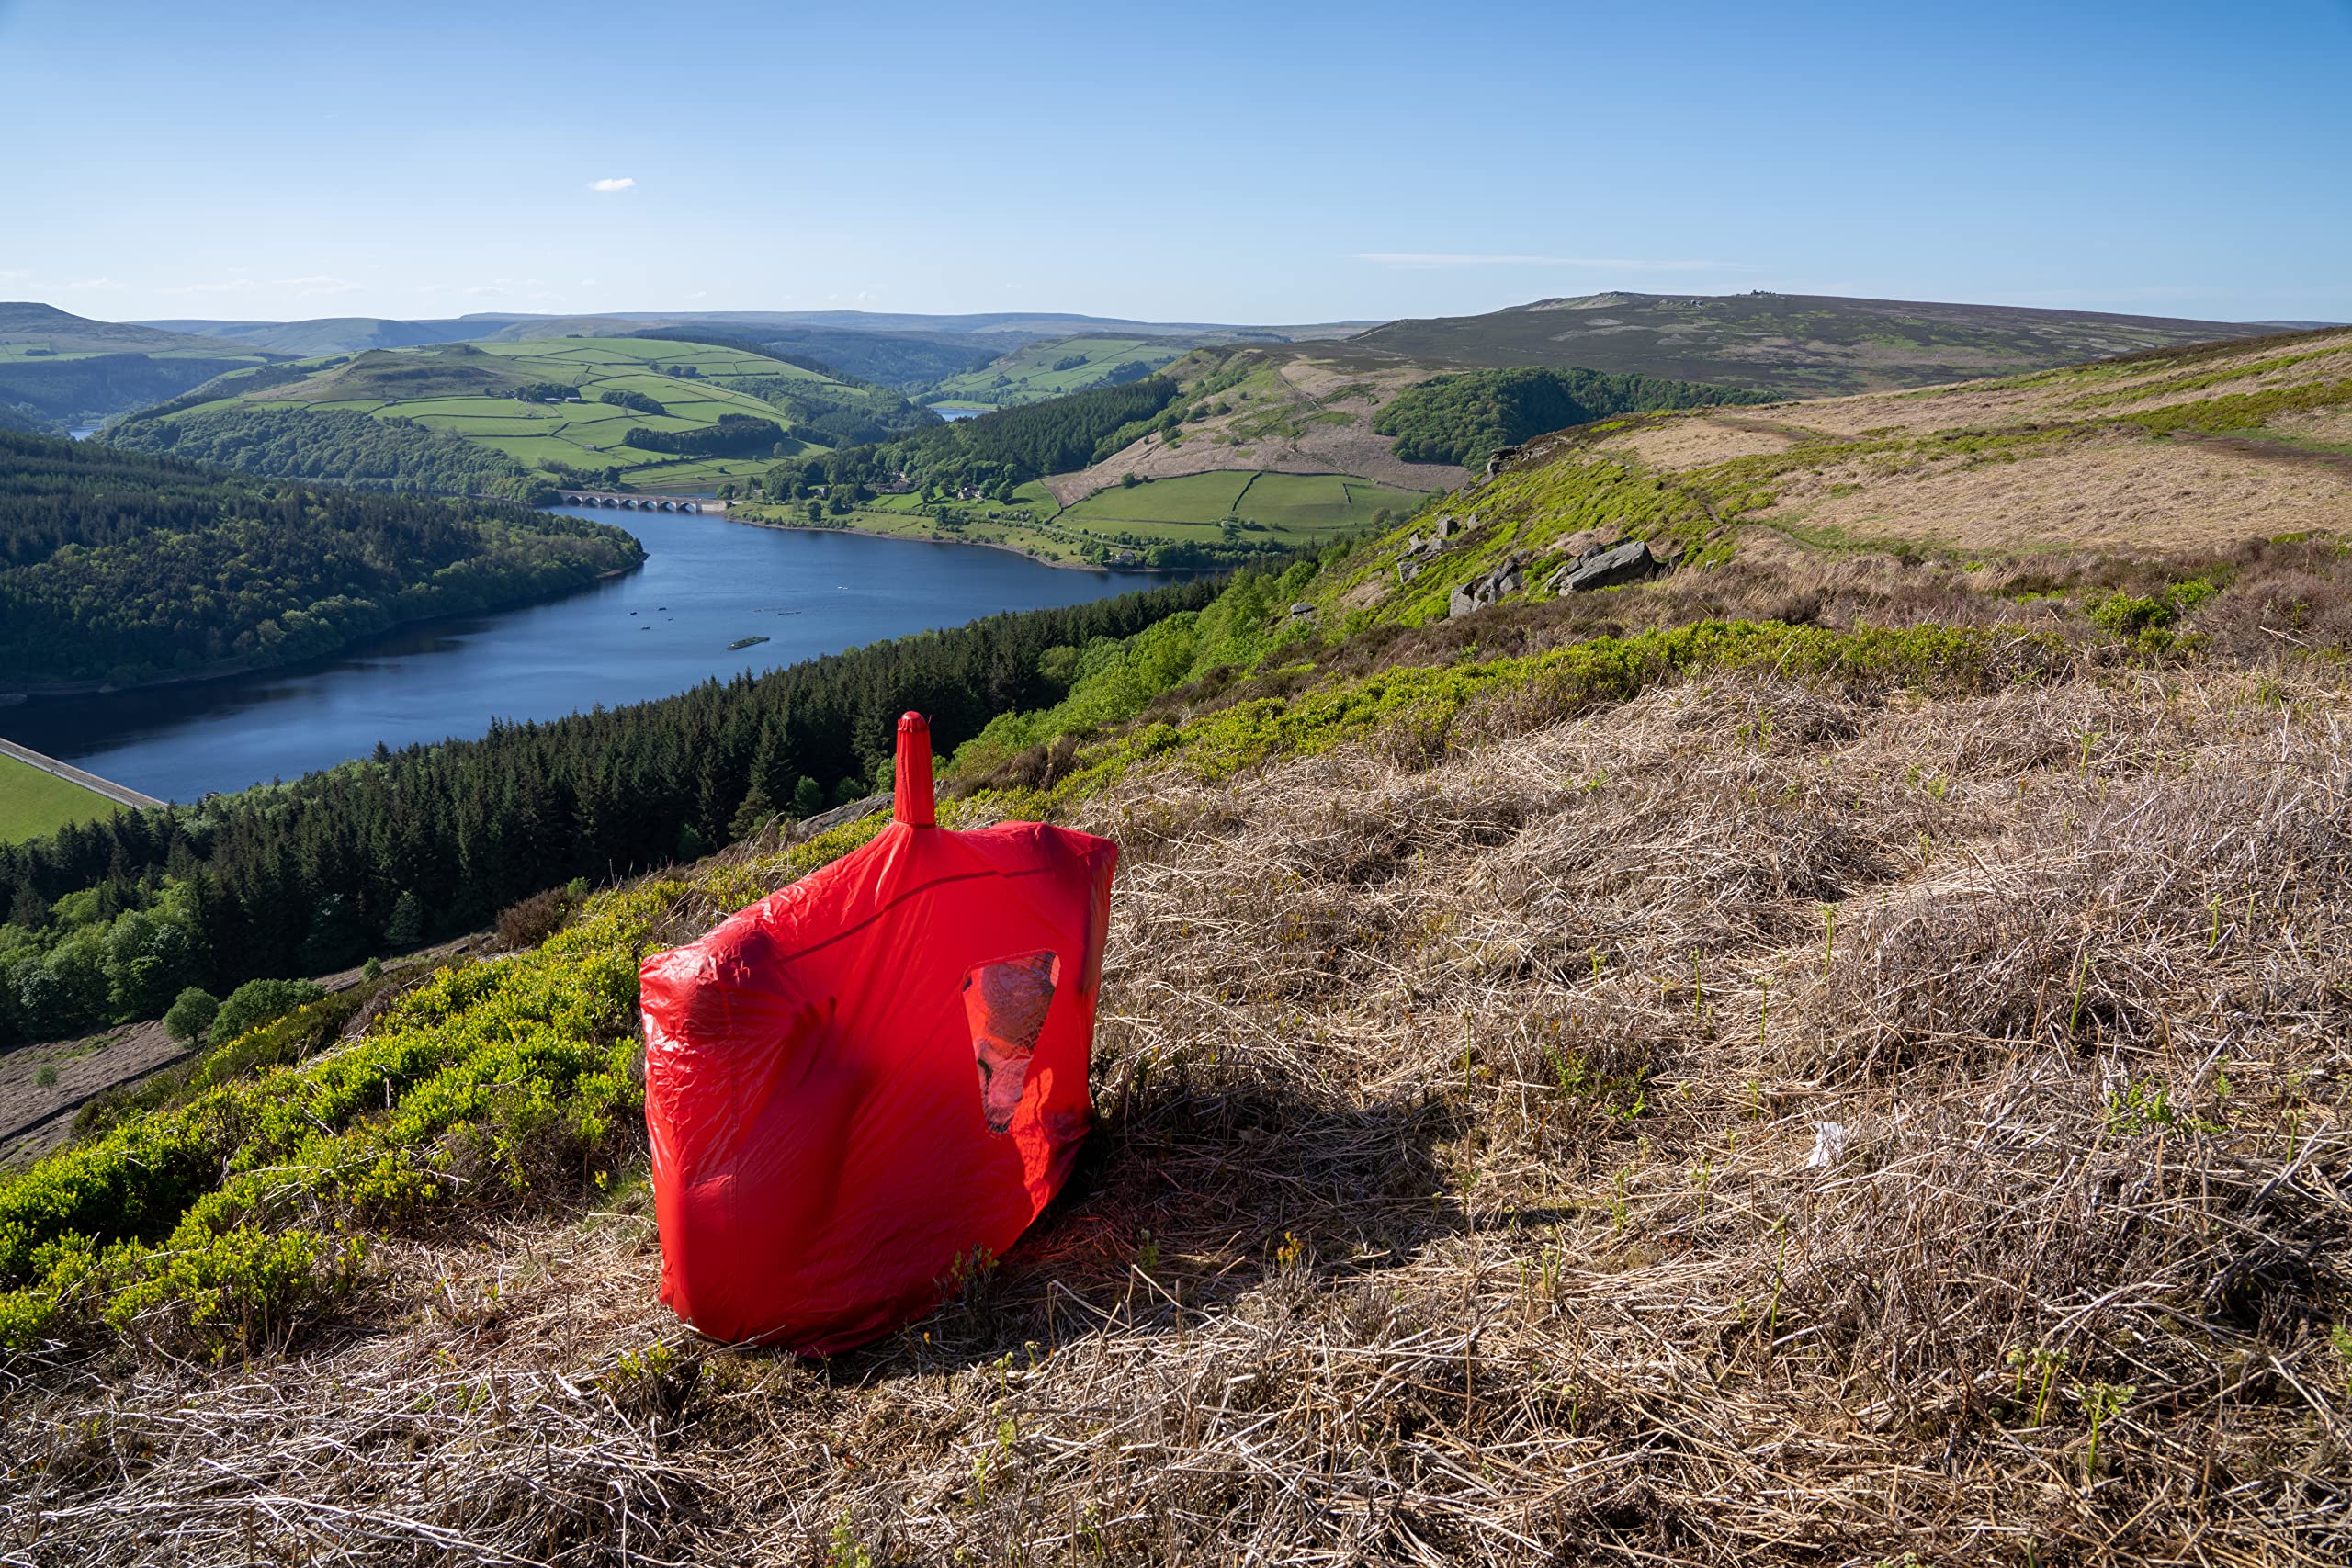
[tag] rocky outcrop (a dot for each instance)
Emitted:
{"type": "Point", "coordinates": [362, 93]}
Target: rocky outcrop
{"type": "Point", "coordinates": [1488, 587]}
{"type": "Point", "coordinates": [1419, 547]}
{"type": "Point", "coordinates": [1606, 566]}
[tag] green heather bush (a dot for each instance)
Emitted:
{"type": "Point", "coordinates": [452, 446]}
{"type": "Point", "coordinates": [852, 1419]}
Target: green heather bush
{"type": "Point", "coordinates": [1430, 700]}
{"type": "Point", "coordinates": [2244, 410]}
{"type": "Point", "coordinates": [2149, 618]}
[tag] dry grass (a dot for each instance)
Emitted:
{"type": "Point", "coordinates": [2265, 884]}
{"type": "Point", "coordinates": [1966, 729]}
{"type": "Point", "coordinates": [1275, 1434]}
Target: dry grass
{"type": "Point", "coordinates": [2008, 402]}
{"type": "Point", "coordinates": [1505, 1158]}
{"type": "Point", "coordinates": [2121, 491]}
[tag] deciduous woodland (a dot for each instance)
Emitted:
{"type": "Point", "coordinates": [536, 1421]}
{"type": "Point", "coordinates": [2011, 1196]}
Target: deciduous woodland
{"type": "Point", "coordinates": [121, 568]}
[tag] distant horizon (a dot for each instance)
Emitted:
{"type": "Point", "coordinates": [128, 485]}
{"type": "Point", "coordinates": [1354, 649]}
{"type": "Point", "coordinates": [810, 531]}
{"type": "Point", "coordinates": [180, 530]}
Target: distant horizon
{"type": "Point", "coordinates": [1367, 323]}
{"type": "Point", "coordinates": [1310, 163]}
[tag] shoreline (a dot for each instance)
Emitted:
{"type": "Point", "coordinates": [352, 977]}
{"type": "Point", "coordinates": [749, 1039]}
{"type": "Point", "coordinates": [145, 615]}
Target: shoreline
{"type": "Point", "coordinates": [974, 544]}
{"type": "Point", "coordinates": [234, 669]}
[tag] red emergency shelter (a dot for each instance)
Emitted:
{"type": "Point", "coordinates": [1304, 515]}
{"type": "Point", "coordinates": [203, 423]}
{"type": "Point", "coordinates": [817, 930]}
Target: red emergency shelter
{"type": "Point", "coordinates": [861, 1080]}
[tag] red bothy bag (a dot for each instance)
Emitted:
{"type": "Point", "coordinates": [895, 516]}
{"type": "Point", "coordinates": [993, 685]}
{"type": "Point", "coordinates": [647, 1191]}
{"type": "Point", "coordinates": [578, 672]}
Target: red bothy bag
{"type": "Point", "coordinates": [859, 1080]}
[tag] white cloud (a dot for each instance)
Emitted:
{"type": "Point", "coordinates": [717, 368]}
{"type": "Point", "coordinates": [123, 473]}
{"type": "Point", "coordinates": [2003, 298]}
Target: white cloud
{"type": "Point", "coordinates": [15, 274]}
{"type": "Point", "coordinates": [1616, 264]}
{"type": "Point", "coordinates": [99, 284]}
{"type": "Point", "coordinates": [622, 183]}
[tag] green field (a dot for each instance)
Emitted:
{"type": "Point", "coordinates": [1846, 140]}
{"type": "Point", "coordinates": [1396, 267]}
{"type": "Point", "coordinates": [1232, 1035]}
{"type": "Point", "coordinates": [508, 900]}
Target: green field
{"type": "Point", "coordinates": [467, 389]}
{"type": "Point", "coordinates": [1037, 371]}
{"type": "Point", "coordinates": [1295, 504]}
{"type": "Point", "coordinates": [1287, 510]}
{"type": "Point", "coordinates": [33, 803]}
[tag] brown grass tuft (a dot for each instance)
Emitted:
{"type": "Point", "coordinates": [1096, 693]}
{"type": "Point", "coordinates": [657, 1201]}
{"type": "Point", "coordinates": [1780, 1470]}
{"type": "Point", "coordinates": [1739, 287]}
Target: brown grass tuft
{"type": "Point", "coordinates": [1749, 1124]}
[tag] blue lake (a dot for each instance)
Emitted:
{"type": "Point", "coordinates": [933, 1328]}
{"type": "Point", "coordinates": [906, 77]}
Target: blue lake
{"type": "Point", "coordinates": [662, 629]}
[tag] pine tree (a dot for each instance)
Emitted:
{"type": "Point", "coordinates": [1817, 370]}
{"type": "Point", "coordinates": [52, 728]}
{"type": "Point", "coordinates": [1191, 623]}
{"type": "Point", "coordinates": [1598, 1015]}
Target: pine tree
{"type": "Point", "coordinates": [755, 813]}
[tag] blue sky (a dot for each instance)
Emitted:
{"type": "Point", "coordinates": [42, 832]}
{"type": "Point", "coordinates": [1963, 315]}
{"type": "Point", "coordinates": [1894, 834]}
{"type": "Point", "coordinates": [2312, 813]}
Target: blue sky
{"type": "Point", "coordinates": [1265, 162]}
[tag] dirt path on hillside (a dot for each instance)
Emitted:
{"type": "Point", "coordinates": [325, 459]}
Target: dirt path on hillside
{"type": "Point", "coordinates": [36, 1117]}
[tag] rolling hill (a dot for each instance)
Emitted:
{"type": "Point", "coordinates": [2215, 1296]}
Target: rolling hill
{"type": "Point", "coordinates": [2193, 453]}
{"type": "Point", "coordinates": [1051, 366]}
{"type": "Point", "coordinates": [642, 413]}
{"type": "Point", "coordinates": [61, 369]}
{"type": "Point", "coordinates": [345, 334]}
{"type": "Point", "coordinates": [1793, 344]}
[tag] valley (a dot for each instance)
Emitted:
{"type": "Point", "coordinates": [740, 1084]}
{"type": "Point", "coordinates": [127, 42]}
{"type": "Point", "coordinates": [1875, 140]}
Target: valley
{"type": "Point", "coordinates": [58, 370]}
{"type": "Point", "coordinates": [1721, 989]}
{"type": "Point", "coordinates": [1321, 786]}
{"type": "Point", "coordinates": [666, 627]}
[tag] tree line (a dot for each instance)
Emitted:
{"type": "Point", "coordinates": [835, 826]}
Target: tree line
{"type": "Point", "coordinates": [107, 919]}
{"type": "Point", "coordinates": [735, 435]}
{"type": "Point", "coordinates": [1465, 418]}
{"type": "Point", "coordinates": [303, 442]}
{"type": "Point", "coordinates": [992, 453]}
{"type": "Point", "coordinates": [125, 567]}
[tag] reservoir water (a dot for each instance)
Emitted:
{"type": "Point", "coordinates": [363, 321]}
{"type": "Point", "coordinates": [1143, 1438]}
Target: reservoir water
{"type": "Point", "coordinates": [706, 582]}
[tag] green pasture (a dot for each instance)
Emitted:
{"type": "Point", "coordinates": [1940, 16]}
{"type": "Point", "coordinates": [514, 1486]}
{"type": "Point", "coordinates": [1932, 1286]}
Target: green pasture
{"type": "Point", "coordinates": [39, 352]}
{"type": "Point", "coordinates": [665, 473]}
{"type": "Point", "coordinates": [1310, 503]}
{"type": "Point", "coordinates": [1294, 505]}
{"type": "Point", "coordinates": [1029, 375]}
{"type": "Point", "coordinates": [469, 394]}
{"type": "Point", "coordinates": [34, 803]}
{"type": "Point", "coordinates": [1193, 498]}
{"type": "Point", "coordinates": [620, 355]}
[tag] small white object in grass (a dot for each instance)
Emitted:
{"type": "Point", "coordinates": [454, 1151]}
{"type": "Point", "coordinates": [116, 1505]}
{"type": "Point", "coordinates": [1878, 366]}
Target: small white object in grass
{"type": "Point", "coordinates": [1828, 1145]}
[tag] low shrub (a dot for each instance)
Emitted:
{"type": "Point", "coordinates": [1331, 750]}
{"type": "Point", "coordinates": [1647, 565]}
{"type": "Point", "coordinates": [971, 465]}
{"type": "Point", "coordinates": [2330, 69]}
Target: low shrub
{"type": "Point", "coordinates": [258, 1002]}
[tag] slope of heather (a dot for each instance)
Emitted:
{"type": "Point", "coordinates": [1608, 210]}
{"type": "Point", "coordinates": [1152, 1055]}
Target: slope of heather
{"type": "Point", "coordinates": [1835, 1053]}
{"type": "Point", "coordinates": [2189, 452]}
{"type": "Point", "coordinates": [1796, 344]}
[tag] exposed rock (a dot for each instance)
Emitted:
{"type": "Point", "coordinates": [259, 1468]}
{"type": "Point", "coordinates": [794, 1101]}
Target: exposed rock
{"type": "Point", "coordinates": [1495, 463]}
{"type": "Point", "coordinates": [1408, 570]}
{"type": "Point", "coordinates": [1489, 588]}
{"type": "Point", "coordinates": [1606, 567]}
{"type": "Point", "coordinates": [1302, 608]}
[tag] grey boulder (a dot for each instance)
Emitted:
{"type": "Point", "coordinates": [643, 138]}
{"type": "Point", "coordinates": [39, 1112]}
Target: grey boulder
{"type": "Point", "coordinates": [1488, 587]}
{"type": "Point", "coordinates": [1606, 567]}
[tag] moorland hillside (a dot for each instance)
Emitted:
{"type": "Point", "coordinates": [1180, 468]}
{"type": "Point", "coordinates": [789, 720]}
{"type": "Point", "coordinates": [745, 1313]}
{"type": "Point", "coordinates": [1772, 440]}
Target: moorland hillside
{"type": "Point", "coordinates": [1833, 1051]}
{"type": "Point", "coordinates": [1795, 345]}
{"type": "Point", "coordinates": [58, 369]}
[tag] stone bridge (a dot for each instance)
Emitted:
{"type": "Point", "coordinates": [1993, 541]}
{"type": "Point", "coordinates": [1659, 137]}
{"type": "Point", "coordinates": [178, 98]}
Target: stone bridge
{"type": "Point", "coordinates": [641, 503]}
